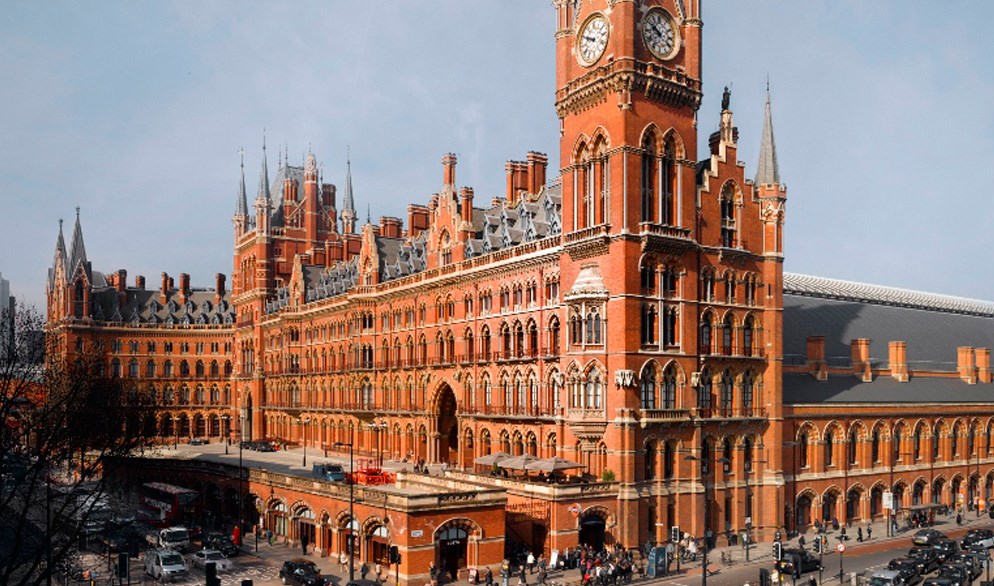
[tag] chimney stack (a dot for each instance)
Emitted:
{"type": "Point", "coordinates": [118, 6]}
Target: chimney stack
{"type": "Point", "coordinates": [219, 282]}
{"type": "Point", "coordinates": [184, 287]}
{"type": "Point", "coordinates": [390, 227]}
{"type": "Point", "coordinates": [898, 352]}
{"type": "Point", "coordinates": [140, 282]}
{"type": "Point", "coordinates": [466, 204]}
{"type": "Point", "coordinates": [966, 365]}
{"type": "Point", "coordinates": [166, 286]}
{"type": "Point", "coordinates": [860, 352]}
{"type": "Point", "coordinates": [537, 164]}
{"type": "Point", "coordinates": [984, 365]}
{"type": "Point", "coordinates": [121, 281]}
{"type": "Point", "coordinates": [816, 358]}
{"type": "Point", "coordinates": [449, 170]}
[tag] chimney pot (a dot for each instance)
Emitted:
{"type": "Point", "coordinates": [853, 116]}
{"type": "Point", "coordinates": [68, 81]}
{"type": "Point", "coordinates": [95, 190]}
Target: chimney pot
{"type": "Point", "coordinates": [966, 364]}
{"type": "Point", "coordinates": [898, 352]}
{"type": "Point", "coordinates": [816, 357]}
{"type": "Point", "coordinates": [860, 353]}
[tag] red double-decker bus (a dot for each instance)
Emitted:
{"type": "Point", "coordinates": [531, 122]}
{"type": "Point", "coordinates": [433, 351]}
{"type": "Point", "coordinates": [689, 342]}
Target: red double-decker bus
{"type": "Point", "coordinates": [167, 504]}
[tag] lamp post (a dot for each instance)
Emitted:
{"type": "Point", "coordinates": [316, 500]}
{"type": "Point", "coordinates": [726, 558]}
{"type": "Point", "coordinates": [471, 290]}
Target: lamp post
{"type": "Point", "coordinates": [707, 510]}
{"type": "Point", "coordinates": [241, 478]}
{"type": "Point", "coordinates": [227, 431]}
{"type": "Point", "coordinates": [175, 432]}
{"type": "Point", "coordinates": [304, 420]}
{"type": "Point", "coordinates": [351, 536]}
{"type": "Point", "coordinates": [976, 487]}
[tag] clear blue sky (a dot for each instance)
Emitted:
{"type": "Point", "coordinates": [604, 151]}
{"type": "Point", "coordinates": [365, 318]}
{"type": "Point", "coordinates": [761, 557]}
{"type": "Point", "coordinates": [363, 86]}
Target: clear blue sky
{"type": "Point", "coordinates": [136, 111]}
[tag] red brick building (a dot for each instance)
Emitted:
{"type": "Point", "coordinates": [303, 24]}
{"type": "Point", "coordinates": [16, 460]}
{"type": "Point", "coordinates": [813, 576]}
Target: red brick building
{"type": "Point", "coordinates": [627, 313]}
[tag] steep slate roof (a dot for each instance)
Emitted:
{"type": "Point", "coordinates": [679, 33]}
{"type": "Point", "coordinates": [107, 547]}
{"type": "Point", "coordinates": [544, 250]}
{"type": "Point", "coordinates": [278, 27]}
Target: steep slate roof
{"type": "Point", "coordinates": [933, 326]}
{"type": "Point", "coordinates": [768, 171]}
{"type": "Point", "coordinates": [141, 306]}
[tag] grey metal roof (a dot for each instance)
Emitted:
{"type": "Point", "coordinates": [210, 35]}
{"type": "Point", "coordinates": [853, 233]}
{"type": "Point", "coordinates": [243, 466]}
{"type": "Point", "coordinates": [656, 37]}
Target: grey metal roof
{"type": "Point", "coordinates": [768, 171]}
{"type": "Point", "coordinates": [933, 326]}
{"type": "Point", "coordinates": [142, 306]}
{"type": "Point", "coordinates": [804, 389]}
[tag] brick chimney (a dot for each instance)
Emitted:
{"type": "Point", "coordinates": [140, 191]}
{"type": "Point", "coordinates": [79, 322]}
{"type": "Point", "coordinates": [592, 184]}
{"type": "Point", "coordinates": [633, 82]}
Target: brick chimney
{"type": "Point", "coordinates": [390, 227]}
{"type": "Point", "coordinates": [537, 164]}
{"type": "Point", "coordinates": [184, 287]}
{"type": "Point", "coordinates": [466, 204]}
{"type": "Point", "coordinates": [164, 290]}
{"type": "Point", "coordinates": [860, 352]}
{"type": "Point", "coordinates": [816, 358]}
{"type": "Point", "coordinates": [898, 352]}
{"type": "Point", "coordinates": [984, 365]}
{"type": "Point", "coordinates": [449, 170]}
{"type": "Point", "coordinates": [219, 282]}
{"type": "Point", "coordinates": [139, 282]}
{"type": "Point", "coordinates": [417, 219]}
{"type": "Point", "coordinates": [965, 364]}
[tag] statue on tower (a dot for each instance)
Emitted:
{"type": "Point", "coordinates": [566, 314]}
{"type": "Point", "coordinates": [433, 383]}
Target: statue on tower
{"type": "Point", "coordinates": [726, 98]}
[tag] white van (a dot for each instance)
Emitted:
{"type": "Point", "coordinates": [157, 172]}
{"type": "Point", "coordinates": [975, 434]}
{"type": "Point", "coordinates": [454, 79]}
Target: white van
{"type": "Point", "coordinates": [165, 564]}
{"type": "Point", "coordinates": [886, 578]}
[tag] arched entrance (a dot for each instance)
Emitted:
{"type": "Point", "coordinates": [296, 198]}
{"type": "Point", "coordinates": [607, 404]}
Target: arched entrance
{"type": "Point", "coordinates": [593, 530]}
{"type": "Point", "coordinates": [803, 511]}
{"type": "Point", "coordinates": [852, 504]}
{"type": "Point", "coordinates": [828, 506]}
{"type": "Point", "coordinates": [937, 487]}
{"type": "Point", "coordinates": [450, 550]}
{"type": "Point", "coordinates": [303, 518]}
{"type": "Point", "coordinates": [446, 425]}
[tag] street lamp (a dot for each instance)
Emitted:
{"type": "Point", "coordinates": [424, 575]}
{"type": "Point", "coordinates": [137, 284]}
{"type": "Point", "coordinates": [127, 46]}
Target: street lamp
{"type": "Point", "coordinates": [707, 510]}
{"type": "Point", "coordinates": [175, 432]}
{"type": "Point", "coordinates": [227, 431]}
{"type": "Point", "coordinates": [304, 420]}
{"type": "Point", "coordinates": [351, 481]}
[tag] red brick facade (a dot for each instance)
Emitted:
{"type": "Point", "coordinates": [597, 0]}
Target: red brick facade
{"type": "Point", "coordinates": [627, 314]}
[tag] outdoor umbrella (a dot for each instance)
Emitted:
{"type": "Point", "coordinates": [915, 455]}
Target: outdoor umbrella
{"type": "Point", "coordinates": [491, 459]}
{"type": "Point", "coordinates": [554, 465]}
{"type": "Point", "coordinates": [518, 462]}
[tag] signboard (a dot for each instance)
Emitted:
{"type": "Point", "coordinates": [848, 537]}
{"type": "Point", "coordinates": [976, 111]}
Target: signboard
{"type": "Point", "coordinates": [888, 500]}
{"type": "Point", "coordinates": [841, 548]}
{"type": "Point", "coordinates": [575, 508]}
{"type": "Point", "coordinates": [417, 533]}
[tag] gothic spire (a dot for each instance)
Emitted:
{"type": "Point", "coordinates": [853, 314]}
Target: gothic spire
{"type": "Point", "coordinates": [60, 248]}
{"type": "Point", "coordinates": [768, 171]}
{"type": "Point", "coordinates": [348, 214]}
{"type": "Point", "coordinates": [264, 175]}
{"type": "Point", "coordinates": [241, 206]}
{"type": "Point", "coordinates": [77, 254]}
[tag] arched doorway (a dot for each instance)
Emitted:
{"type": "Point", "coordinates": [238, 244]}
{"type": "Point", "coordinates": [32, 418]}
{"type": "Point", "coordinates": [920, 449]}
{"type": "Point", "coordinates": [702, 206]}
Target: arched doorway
{"type": "Point", "coordinates": [377, 544]}
{"type": "Point", "coordinates": [593, 531]}
{"type": "Point", "coordinates": [828, 504]}
{"type": "Point", "coordinates": [451, 546]}
{"type": "Point", "coordinates": [446, 425]}
{"type": "Point", "coordinates": [937, 485]}
{"type": "Point", "coordinates": [803, 511]}
{"type": "Point", "coordinates": [304, 519]}
{"type": "Point", "coordinates": [918, 492]}
{"type": "Point", "coordinates": [852, 504]}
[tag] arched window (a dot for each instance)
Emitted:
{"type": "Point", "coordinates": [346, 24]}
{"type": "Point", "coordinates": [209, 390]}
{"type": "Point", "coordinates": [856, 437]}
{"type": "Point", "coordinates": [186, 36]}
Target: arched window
{"type": "Point", "coordinates": [705, 334]}
{"type": "Point", "coordinates": [727, 328]}
{"type": "Point", "coordinates": [651, 453]}
{"type": "Point", "coordinates": [592, 389]}
{"type": "Point", "coordinates": [727, 393]}
{"type": "Point", "coordinates": [594, 325]}
{"type": "Point", "coordinates": [853, 445]}
{"type": "Point", "coordinates": [747, 455]}
{"type": "Point", "coordinates": [668, 182]}
{"type": "Point", "coordinates": [649, 177]}
{"type": "Point", "coordinates": [554, 337]}
{"type": "Point", "coordinates": [669, 388]}
{"type": "Point", "coordinates": [916, 442]}
{"type": "Point", "coordinates": [669, 460]}
{"type": "Point", "coordinates": [670, 330]}
{"type": "Point", "coordinates": [728, 239]}
{"type": "Point", "coordinates": [747, 392]}
{"type": "Point", "coordinates": [704, 390]}
{"type": "Point", "coordinates": [748, 328]}
{"type": "Point", "coordinates": [936, 437]}
{"type": "Point", "coordinates": [802, 450]}
{"type": "Point", "coordinates": [648, 386]}
{"type": "Point", "coordinates": [829, 449]}
{"type": "Point", "coordinates": [875, 446]}
{"type": "Point", "coordinates": [648, 324]}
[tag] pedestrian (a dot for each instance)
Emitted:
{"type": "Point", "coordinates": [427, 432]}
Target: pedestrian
{"type": "Point", "coordinates": [363, 570]}
{"type": "Point", "coordinates": [522, 576]}
{"type": "Point", "coordinates": [488, 577]}
{"type": "Point", "coordinates": [959, 518]}
{"type": "Point", "coordinates": [270, 538]}
{"type": "Point", "coordinates": [800, 541]}
{"type": "Point", "coordinates": [530, 560]}
{"type": "Point", "coordinates": [859, 534]}
{"type": "Point", "coordinates": [378, 568]}
{"type": "Point", "coordinates": [842, 534]}
{"type": "Point", "coordinates": [869, 531]}
{"type": "Point", "coordinates": [505, 572]}
{"type": "Point", "coordinates": [343, 563]}
{"type": "Point", "coordinates": [541, 575]}
{"type": "Point", "coordinates": [303, 543]}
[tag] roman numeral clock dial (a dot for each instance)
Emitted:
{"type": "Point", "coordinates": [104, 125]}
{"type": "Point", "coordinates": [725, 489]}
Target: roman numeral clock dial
{"type": "Point", "coordinates": [592, 39]}
{"type": "Point", "coordinates": [659, 34]}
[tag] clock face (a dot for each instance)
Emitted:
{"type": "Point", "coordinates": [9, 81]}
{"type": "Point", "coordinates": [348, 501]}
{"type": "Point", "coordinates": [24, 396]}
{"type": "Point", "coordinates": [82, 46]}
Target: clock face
{"type": "Point", "coordinates": [593, 39]}
{"type": "Point", "coordinates": [659, 34]}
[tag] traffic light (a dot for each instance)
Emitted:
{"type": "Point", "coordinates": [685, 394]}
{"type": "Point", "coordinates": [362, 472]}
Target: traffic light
{"type": "Point", "coordinates": [123, 565]}
{"type": "Point", "coordinates": [394, 554]}
{"type": "Point", "coordinates": [675, 533]}
{"type": "Point", "coordinates": [817, 544]}
{"type": "Point", "coordinates": [777, 551]}
{"type": "Point", "coordinates": [210, 571]}
{"type": "Point", "coordinates": [350, 544]}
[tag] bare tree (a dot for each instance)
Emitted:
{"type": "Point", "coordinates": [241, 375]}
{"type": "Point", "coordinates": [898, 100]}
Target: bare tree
{"type": "Point", "coordinates": [62, 419]}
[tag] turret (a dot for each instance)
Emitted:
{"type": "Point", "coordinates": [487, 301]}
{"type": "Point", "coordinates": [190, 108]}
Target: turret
{"type": "Point", "coordinates": [240, 218]}
{"type": "Point", "coordinates": [312, 202]}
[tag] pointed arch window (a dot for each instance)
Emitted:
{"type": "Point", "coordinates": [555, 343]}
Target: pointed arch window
{"type": "Point", "coordinates": [705, 334]}
{"type": "Point", "coordinates": [649, 177]}
{"type": "Point", "coordinates": [670, 329]}
{"type": "Point", "coordinates": [853, 448]}
{"type": "Point", "coordinates": [648, 324]}
{"type": "Point", "coordinates": [727, 393]}
{"type": "Point", "coordinates": [669, 388]}
{"type": "Point", "coordinates": [648, 387]}
{"type": "Point", "coordinates": [592, 389]}
{"type": "Point", "coordinates": [802, 450]}
{"type": "Point", "coordinates": [728, 231]}
{"type": "Point", "coordinates": [875, 446]}
{"type": "Point", "coordinates": [829, 449]}
{"type": "Point", "coordinates": [748, 331]}
{"type": "Point", "coordinates": [668, 183]}
{"type": "Point", "coordinates": [704, 391]}
{"type": "Point", "coordinates": [747, 392]}
{"type": "Point", "coordinates": [727, 328]}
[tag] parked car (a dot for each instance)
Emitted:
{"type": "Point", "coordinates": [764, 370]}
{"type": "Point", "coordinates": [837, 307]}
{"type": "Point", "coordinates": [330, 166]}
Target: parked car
{"type": "Point", "coordinates": [887, 578]}
{"type": "Point", "coordinates": [197, 441]}
{"type": "Point", "coordinates": [926, 557]}
{"type": "Point", "coordinates": [202, 557]}
{"type": "Point", "coordinates": [333, 472]}
{"type": "Point", "coordinates": [972, 563]}
{"type": "Point", "coordinates": [165, 564]}
{"type": "Point", "coordinates": [927, 536]}
{"type": "Point", "coordinates": [265, 447]}
{"type": "Point", "coordinates": [177, 538]}
{"type": "Point", "coordinates": [937, 581]}
{"type": "Point", "coordinates": [303, 572]}
{"type": "Point", "coordinates": [945, 548]}
{"type": "Point", "coordinates": [955, 572]}
{"type": "Point", "coordinates": [908, 570]}
{"type": "Point", "coordinates": [220, 542]}
{"type": "Point", "coordinates": [978, 538]}
{"type": "Point", "coordinates": [798, 561]}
